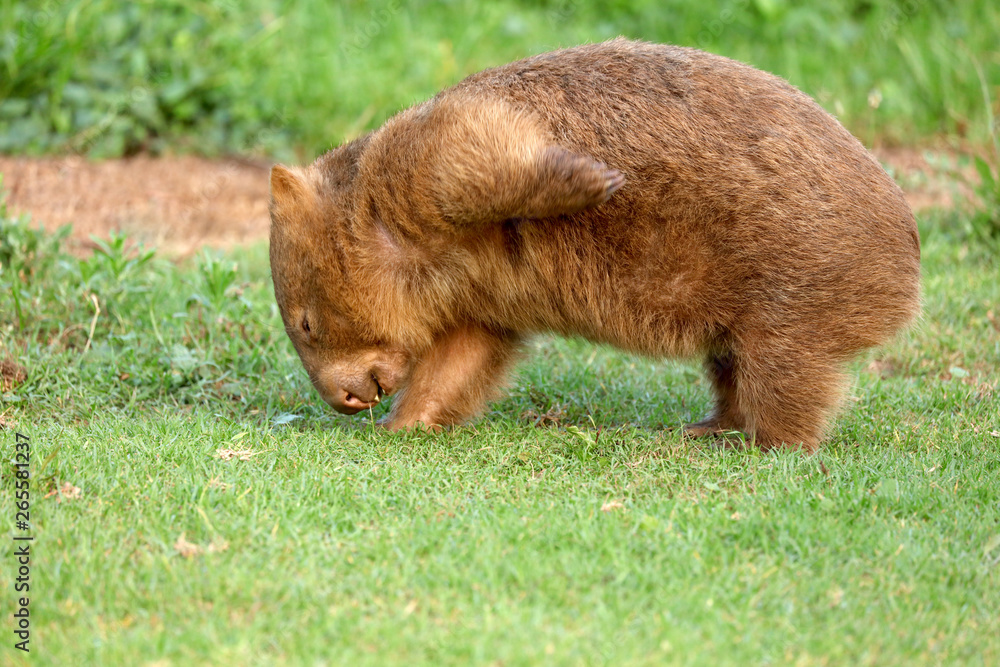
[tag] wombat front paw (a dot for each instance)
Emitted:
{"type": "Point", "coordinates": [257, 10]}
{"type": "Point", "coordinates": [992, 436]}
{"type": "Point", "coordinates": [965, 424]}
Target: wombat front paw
{"type": "Point", "coordinates": [401, 422]}
{"type": "Point", "coordinates": [574, 182]}
{"type": "Point", "coordinates": [614, 180]}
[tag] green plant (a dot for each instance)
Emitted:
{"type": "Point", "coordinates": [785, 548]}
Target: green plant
{"type": "Point", "coordinates": [217, 277]}
{"type": "Point", "coordinates": [27, 255]}
{"type": "Point", "coordinates": [985, 219]}
{"type": "Point", "coordinates": [112, 262]}
{"type": "Point", "coordinates": [107, 78]}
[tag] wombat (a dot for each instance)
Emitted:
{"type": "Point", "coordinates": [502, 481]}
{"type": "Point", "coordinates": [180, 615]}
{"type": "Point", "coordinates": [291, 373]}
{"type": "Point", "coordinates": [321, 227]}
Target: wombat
{"type": "Point", "coordinates": [659, 199]}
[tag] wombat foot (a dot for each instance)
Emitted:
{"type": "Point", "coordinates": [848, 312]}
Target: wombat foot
{"type": "Point", "coordinates": [731, 438]}
{"type": "Point", "coordinates": [416, 424]}
{"type": "Point", "coordinates": [780, 399]}
{"type": "Point", "coordinates": [728, 438]}
{"type": "Point", "coordinates": [707, 426]}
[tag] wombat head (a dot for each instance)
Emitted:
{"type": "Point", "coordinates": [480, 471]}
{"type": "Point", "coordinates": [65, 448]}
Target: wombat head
{"type": "Point", "coordinates": [366, 243]}
{"type": "Point", "coordinates": [318, 298]}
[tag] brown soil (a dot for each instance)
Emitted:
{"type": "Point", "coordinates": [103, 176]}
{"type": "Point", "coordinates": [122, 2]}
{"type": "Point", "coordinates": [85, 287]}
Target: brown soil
{"type": "Point", "coordinates": [179, 204]}
{"type": "Point", "coordinates": [11, 374]}
{"type": "Point", "coordinates": [930, 179]}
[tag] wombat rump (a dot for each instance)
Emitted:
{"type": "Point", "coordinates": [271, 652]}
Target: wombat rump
{"type": "Point", "coordinates": [656, 198]}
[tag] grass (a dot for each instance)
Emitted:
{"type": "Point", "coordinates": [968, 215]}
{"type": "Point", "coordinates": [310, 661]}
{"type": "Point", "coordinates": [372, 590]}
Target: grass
{"type": "Point", "coordinates": [193, 500]}
{"type": "Point", "coordinates": [288, 79]}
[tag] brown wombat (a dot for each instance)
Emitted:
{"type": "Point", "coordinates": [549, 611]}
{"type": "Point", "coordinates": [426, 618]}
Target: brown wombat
{"type": "Point", "coordinates": [660, 199]}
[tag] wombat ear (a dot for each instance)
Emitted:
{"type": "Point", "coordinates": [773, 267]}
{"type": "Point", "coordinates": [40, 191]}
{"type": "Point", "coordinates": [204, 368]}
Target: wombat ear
{"type": "Point", "coordinates": [293, 198]}
{"type": "Point", "coordinates": [287, 187]}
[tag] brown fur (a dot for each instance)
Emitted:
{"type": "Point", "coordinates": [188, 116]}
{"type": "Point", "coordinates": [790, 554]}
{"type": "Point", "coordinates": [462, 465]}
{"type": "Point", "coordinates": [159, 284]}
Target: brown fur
{"type": "Point", "coordinates": [656, 198]}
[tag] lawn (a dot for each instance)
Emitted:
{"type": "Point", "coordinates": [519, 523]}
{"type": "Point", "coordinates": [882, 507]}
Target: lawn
{"type": "Point", "coordinates": [193, 500]}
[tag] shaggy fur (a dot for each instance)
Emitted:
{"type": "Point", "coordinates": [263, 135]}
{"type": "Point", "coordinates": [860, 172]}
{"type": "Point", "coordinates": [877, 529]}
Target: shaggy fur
{"type": "Point", "coordinates": [660, 199]}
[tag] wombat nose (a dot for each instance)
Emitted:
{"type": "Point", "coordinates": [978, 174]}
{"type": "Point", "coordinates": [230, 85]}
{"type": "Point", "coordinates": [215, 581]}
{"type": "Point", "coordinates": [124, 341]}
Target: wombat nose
{"type": "Point", "coordinates": [349, 403]}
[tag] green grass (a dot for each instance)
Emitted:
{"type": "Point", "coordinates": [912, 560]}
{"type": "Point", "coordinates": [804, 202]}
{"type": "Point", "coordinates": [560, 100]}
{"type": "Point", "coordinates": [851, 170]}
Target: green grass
{"type": "Point", "coordinates": [291, 78]}
{"type": "Point", "coordinates": [604, 538]}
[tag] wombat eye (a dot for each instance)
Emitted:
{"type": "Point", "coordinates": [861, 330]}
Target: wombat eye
{"type": "Point", "coordinates": [305, 324]}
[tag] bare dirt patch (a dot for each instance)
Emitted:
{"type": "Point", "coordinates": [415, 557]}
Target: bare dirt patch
{"type": "Point", "coordinates": [179, 204]}
{"type": "Point", "coordinates": [930, 179]}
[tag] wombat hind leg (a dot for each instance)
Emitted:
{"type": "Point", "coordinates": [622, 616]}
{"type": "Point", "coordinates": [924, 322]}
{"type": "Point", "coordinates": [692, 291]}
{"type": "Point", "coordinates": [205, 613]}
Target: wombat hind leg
{"type": "Point", "coordinates": [721, 368]}
{"type": "Point", "coordinates": [777, 397]}
{"type": "Point", "coordinates": [787, 400]}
